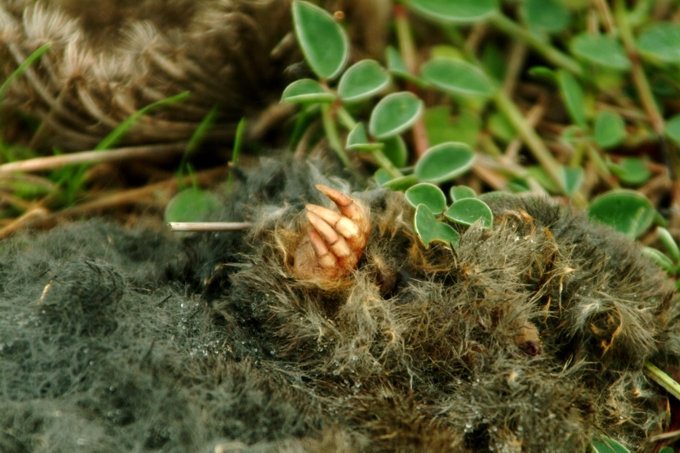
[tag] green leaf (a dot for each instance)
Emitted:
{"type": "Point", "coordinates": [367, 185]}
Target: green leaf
{"type": "Point", "coordinates": [607, 445]}
{"type": "Point", "coordinates": [666, 450]}
{"type": "Point", "coordinates": [493, 61]}
{"type": "Point", "coordinates": [358, 141]}
{"type": "Point", "coordinates": [401, 183]}
{"type": "Point", "coordinates": [429, 230]}
{"type": "Point", "coordinates": [627, 211]}
{"type": "Point", "coordinates": [661, 41]}
{"type": "Point", "coordinates": [455, 10]}
{"type": "Point", "coordinates": [549, 16]}
{"type": "Point", "coordinates": [305, 91]}
{"type": "Point", "coordinates": [456, 77]}
{"type": "Point", "coordinates": [543, 178]}
{"type": "Point", "coordinates": [500, 127]}
{"type": "Point", "coordinates": [573, 179]}
{"type": "Point", "coordinates": [22, 67]}
{"type": "Point", "coordinates": [324, 43]}
{"type": "Point", "coordinates": [442, 127]}
{"type": "Point", "coordinates": [543, 74]}
{"type": "Point", "coordinates": [427, 194]}
{"type": "Point", "coordinates": [659, 258]}
{"type": "Point", "coordinates": [394, 114]}
{"type": "Point", "coordinates": [470, 210]}
{"type": "Point", "coordinates": [395, 150]}
{"type": "Point", "coordinates": [382, 176]}
{"type": "Point", "coordinates": [363, 80]}
{"type": "Point", "coordinates": [573, 97]}
{"type": "Point", "coordinates": [460, 192]}
{"type": "Point", "coordinates": [444, 162]}
{"type": "Point", "coordinates": [610, 129]}
{"type": "Point", "coordinates": [631, 170]}
{"type": "Point", "coordinates": [192, 205]}
{"type": "Point", "coordinates": [603, 50]}
{"type": "Point", "coordinates": [669, 242]}
{"type": "Point", "coordinates": [518, 185]}
{"type": "Point", "coordinates": [397, 67]}
{"type": "Point", "coordinates": [395, 64]}
{"type": "Point", "coordinates": [673, 129]}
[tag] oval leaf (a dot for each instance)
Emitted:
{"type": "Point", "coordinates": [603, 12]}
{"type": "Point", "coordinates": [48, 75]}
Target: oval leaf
{"type": "Point", "coordinates": [401, 183]}
{"type": "Point", "coordinates": [673, 129]}
{"type": "Point", "coordinates": [363, 80]}
{"type": "Point", "coordinates": [444, 162]}
{"type": "Point", "coordinates": [427, 194]}
{"type": "Point", "coordinates": [632, 170]}
{"type": "Point", "coordinates": [456, 77]}
{"type": "Point", "coordinates": [661, 41]}
{"type": "Point", "coordinates": [394, 114]}
{"type": "Point", "coordinates": [603, 50]}
{"type": "Point", "coordinates": [461, 192]}
{"type": "Point", "coordinates": [469, 211]}
{"type": "Point", "coordinates": [610, 129]}
{"type": "Point", "coordinates": [305, 91]}
{"type": "Point", "coordinates": [397, 67]}
{"type": "Point", "coordinates": [573, 179]}
{"type": "Point", "coordinates": [627, 211]}
{"type": "Point", "coordinates": [324, 43]}
{"type": "Point", "coordinates": [429, 230]}
{"type": "Point", "coordinates": [382, 176]}
{"type": "Point", "coordinates": [358, 141]}
{"type": "Point", "coordinates": [395, 150]}
{"type": "Point", "coordinates": [192, 205]}
{"type": "Point", "coordinates": [455, 10]}
{"type": "Point", "coordinates": [573, 97]}
{"type": "Point", "coordinates": [549, 16]}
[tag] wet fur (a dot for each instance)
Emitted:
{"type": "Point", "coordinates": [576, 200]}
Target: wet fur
{"type": "Point", "coordinates": [143, 342]}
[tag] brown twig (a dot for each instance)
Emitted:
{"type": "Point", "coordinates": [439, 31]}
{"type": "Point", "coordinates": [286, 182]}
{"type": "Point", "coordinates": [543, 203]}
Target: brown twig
{"type": "Point", "coordinates": [209, 226]}
{"type": "Point", "coordinates": [533, 117]}
{"type": "Point", "coordinates": [41, 218]}
{"type": "Point", "coordinates": [89, 157]}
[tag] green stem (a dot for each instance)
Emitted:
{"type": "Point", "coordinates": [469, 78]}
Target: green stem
{"type": "Point", "coordinates": [530, 137]}
{"type": "Point", "coordinates": [408, 51]}
{"type": "Point", "coordinates": [378, 156]}
{"type": "Point", "coordinates": [539, 45]}
{"type": "Point", "coordinates": [639, 77]}
{"type": "Point", "coordinates": [662, 379]}
{"type": "Point", "coordinates": [333, 136]}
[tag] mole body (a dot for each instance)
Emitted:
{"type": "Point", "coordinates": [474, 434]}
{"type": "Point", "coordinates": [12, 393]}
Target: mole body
{"type": "Point", "coordinates": [330, 327]}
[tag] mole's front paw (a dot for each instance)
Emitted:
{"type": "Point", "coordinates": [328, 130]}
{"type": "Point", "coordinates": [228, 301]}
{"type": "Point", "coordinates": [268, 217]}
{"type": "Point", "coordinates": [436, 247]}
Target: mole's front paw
{"type": "Point", "coordinates": [335, 241]}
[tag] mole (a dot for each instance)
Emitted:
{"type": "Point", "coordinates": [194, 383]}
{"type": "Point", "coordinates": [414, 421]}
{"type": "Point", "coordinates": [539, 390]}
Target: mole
{"type": "Point", "coordinates": [329, 326]}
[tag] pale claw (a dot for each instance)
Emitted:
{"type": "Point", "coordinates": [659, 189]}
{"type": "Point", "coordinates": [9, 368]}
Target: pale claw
{"type": "Point", "coordinates": [336, 241]}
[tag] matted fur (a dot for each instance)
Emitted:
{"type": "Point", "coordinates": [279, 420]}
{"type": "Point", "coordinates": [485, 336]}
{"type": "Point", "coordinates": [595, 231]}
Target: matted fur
{"type": "Point", "coordinates": [135, 341]}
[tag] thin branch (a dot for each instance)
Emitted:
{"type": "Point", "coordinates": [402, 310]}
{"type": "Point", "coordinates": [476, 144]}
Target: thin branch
{"type": "Point", "coordinates": [89, 157]}
{"type": "Point", "coordinates": [209, 226]}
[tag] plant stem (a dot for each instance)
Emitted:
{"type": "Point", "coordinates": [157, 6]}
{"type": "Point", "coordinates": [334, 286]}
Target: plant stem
{"type": "Point", "coordinates": [408, 53]}
{"type": "Point", "coordinates": [639, 77]}
{"type": "Point", "coordinates": [662, 379]}
{"type": "Point", "coordinates": [530, 137]}
{"type": "Point", "coordinates": [333, 136]}
{"type": "Point", "coordinates": [539, 45]}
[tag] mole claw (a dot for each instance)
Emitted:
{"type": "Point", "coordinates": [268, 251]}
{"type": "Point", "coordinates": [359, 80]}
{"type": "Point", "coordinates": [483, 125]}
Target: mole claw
{"type": "Point", "coordinates": [340, 223]}
{"type": "Point", "coordinates": [336, 240]}
{"type": "Point", "coordinates": [343, 202]}
{"type": "Point", "coordinates": [323, 255]}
